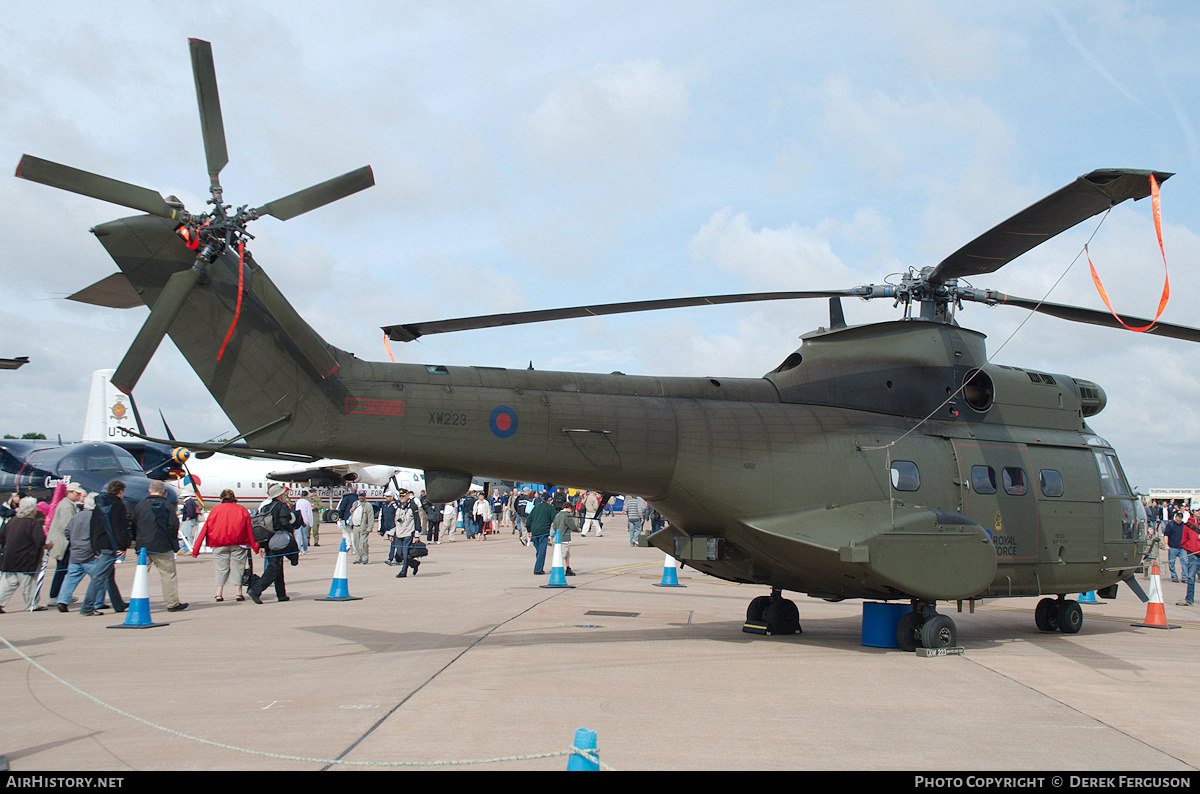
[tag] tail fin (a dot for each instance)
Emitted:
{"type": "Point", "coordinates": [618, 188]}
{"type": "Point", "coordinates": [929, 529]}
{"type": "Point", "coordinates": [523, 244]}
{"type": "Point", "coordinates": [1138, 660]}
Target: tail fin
{"type": "Point", "coordinates": [108, 410]}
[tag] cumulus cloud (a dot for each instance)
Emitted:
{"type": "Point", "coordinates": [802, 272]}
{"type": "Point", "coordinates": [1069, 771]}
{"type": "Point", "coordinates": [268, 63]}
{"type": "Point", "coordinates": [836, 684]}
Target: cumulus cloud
{"type": "Point", "coordinates": [767, 258]}
{"type": "Point", "coordinates": [615, 121]}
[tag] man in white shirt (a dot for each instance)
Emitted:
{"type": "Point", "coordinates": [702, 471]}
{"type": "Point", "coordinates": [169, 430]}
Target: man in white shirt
{"type": "Point", "coordinates": [305, 509]}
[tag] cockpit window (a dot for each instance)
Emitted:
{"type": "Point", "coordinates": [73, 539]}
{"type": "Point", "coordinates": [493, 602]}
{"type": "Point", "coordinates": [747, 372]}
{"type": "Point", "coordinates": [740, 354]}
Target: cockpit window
{"type": "Point", "coordinates": [1111, 481]}
{"type": "Point", "coordinates": [103, 460]}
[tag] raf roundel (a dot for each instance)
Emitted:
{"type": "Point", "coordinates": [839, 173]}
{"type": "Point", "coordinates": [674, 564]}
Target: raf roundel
{"type": "Point", "coordinates": [503, 421]}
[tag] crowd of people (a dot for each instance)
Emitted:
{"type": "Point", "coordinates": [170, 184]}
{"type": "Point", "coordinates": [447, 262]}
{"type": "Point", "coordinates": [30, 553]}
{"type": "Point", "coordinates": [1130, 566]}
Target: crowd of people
{"type": "Point", "coordinates": [1178, 524]}
{"type": "Point", "coordinates": [86, 535]}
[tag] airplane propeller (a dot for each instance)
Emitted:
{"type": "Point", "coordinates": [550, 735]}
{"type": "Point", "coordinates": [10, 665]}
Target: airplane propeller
{"type": "Point", "coordinates": [211, 233]}
{"type": "Point", "coordinates": [936, 288]}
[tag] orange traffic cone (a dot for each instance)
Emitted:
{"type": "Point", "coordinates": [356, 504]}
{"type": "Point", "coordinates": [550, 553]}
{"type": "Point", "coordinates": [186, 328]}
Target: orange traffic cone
{"type": "Point", "coordinates": [1156, 613]}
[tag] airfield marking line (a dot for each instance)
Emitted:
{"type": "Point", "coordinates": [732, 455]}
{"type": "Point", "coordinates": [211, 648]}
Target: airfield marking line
{"type": "Point", "coordinates": [1087, 616]}
{"type": "Point", "coordinates": [1074, 709]}
{"type": "Point", "coordinates": [443, 669]}
{"type": "Point", "coordinates": [589, 754]}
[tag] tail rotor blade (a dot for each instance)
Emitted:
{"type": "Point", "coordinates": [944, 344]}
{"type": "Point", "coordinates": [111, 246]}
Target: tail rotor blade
{"type": "Point", "coordinates": [327, 192]}
{"type": "Point", "coordinates": [211, 125]}
{"type": "Point", "coordinates": [95, 186]}
{"type": "Point", "coordinates": [166, 308]}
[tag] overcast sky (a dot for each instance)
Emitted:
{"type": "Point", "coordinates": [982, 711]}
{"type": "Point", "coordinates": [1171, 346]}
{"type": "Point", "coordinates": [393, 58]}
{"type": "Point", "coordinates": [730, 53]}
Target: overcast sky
{"type": "Point", "coordinates": [531, 155]}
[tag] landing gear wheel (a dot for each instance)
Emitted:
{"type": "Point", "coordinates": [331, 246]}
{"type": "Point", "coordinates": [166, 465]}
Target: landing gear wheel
{"type": "Point", "coordinates": [939, 632]}
{"type": "Point", "coordinates": [756, 612]}
{"type": "Point", "coordinates": [908, 632]}
{"type": "Point", "coordinates": [783, 617]}
{"type": "Point", "coordinates": [1045, 615]}
{"type": "Point", "coordinates": [1069, 617]}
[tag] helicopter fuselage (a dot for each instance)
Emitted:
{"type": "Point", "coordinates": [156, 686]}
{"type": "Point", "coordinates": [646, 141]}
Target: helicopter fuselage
{"type": "Point", "coordinates": [885, 461]}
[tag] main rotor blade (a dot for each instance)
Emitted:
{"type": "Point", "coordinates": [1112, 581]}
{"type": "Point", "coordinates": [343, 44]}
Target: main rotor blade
{"type": "Point", "coordinates": [166, 308]}
{"type": "Point", "coordinates": [95, 186]}
{"type": "Point", "coordinates": [327, 192]}
{"type": "Point", "coordinates": [1079, 314]}
{"type": "Point", "coordinates": [1088, 195]}
{"type": "Point", "coordinates": [211, 125]}
{"type": "Point", "coordinates": [411, 331]}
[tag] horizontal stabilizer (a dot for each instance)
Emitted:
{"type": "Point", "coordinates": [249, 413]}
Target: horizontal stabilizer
{"type": "Point", "coordinates": [113, 292]}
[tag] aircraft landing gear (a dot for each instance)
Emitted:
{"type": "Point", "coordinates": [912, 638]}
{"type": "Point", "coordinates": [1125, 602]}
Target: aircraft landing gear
{"type": "Point", "coordinates": [772, 614]}
{"type": "Point", "coordinates": [1058, 614]}
{"type": "Point", "coordinates": [925, 628]}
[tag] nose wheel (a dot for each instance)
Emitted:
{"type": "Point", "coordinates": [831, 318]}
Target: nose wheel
{"type": "Point", "coordinates": [923, 627]}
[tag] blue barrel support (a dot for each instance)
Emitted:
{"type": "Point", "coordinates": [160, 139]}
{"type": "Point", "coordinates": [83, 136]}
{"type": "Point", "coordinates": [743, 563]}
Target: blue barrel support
{"type": "Point", "coordinates": [879, 623]}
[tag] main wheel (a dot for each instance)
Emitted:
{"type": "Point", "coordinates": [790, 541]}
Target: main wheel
{"type": "Point", "coordinates": [939, 632]}
{"type": "Point", "coordinates": [783, 617]}
{"type": "Point", "coordinates": [757, 609]}
{"type": "Point", "coordinates": [908, 632]}
{"type": "Point", "coordinates": [1046, 614]}
{"type": "Point", "coordinates": [1069, 616]}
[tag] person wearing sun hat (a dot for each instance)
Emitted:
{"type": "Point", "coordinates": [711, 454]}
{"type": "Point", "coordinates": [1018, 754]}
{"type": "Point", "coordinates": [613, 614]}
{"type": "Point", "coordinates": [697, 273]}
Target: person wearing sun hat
{"type": "Point", "coordinates": [283, 520]}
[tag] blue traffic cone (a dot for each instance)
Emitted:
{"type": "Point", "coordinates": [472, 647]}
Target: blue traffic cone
{"type": "Point", "coordinates": [584, 740]}
{"type": "Point", "coordinates": [1088, 597]}
{"type": "Point", "coordinates": [670, 577]}
{"type": "Point", "coordinates": [138, 614]}
{"type": "Point", "coordinates": [558, 572]}
{"type": "Point", "coordinates": [339, 590]}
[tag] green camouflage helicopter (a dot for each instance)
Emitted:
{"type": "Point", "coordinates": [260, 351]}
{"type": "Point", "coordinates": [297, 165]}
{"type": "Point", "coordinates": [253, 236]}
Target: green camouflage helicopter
{"type": "Point", "coordinates": [887, 461]}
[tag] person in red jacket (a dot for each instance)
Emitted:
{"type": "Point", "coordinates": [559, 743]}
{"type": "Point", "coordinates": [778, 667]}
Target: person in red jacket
{"type": "Point", "coordinates": [1191, 545]}
{"type": "Point", "coordinates": [228, 533]}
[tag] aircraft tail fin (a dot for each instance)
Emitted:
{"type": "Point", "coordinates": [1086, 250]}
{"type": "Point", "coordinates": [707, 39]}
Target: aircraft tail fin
{"type": "Point", "coordinates": [108, 410]}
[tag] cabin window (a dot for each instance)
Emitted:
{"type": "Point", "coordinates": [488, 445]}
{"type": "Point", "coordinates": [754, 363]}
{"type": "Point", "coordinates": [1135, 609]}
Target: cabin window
{"type": "Point", "coordinates": [983, 479]}
{"type": "Point", "coordinates": [1051, 482]}
{"type": "Point", "coordinates": [1014, 481]}
{"type": "Point", "coordinates": [905, 476]}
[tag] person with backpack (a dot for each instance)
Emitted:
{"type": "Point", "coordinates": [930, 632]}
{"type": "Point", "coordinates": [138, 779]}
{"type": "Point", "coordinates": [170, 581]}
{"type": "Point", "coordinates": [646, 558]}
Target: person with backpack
{"type": "Point", "coordinates": [156, 529]}
{"type": "Point", "coordinates": [433, 521]}
{"type": "Point", "coordinates": [279, 520]}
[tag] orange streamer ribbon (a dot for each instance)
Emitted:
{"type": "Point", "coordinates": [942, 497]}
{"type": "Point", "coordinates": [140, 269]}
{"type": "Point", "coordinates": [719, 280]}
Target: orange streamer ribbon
{"type": "Point", "coordinates": [1166, 294]}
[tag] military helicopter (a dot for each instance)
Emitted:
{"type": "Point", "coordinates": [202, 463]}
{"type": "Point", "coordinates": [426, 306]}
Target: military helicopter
{"type": "Point", "coordinates": [887, 461]}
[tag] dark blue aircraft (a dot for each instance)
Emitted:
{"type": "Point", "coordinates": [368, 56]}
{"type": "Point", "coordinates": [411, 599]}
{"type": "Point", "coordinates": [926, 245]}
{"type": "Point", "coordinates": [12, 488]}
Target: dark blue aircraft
{"type": "Point", "coordinates": [35, 467]}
